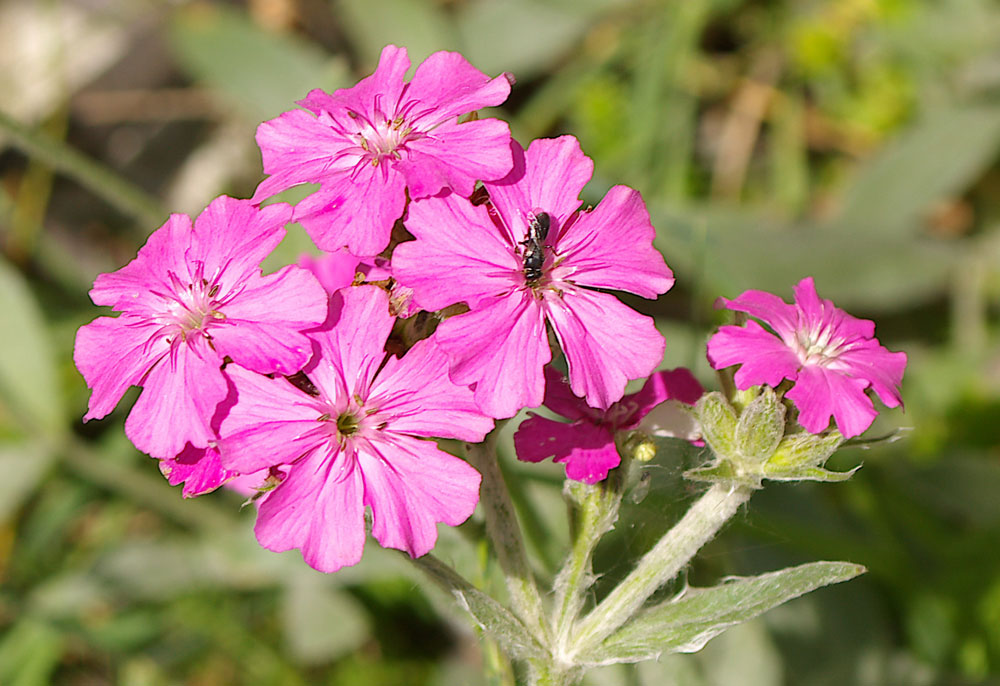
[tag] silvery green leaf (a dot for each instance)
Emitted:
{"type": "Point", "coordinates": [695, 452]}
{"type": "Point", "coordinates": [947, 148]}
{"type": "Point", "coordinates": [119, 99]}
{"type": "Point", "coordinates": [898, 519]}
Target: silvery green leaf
{"type": "Point", "coordinates": [686, 623]}
{"type": "Point", "coordinates": [493, 618]}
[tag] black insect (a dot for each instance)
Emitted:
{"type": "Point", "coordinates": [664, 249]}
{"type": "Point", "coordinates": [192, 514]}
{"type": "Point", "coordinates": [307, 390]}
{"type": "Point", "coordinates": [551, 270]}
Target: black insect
{"type": "Point", "coordinates": [534, 246]}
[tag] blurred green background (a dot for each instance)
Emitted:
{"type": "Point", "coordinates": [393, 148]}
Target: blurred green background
{"type": "Point", "coordinates": [853, 140]}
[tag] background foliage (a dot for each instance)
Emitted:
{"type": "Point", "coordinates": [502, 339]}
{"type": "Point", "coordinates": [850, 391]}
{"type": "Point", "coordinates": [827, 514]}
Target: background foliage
{"type": "Point", "coordinates": [853, 140]}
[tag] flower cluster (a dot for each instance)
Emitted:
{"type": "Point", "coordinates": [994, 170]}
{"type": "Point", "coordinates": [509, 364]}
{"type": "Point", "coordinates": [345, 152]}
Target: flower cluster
{"type": "Point", "coordinates": [309, 384]}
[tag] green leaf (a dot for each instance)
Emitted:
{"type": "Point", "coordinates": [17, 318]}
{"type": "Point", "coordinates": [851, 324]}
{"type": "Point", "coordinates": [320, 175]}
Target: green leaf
{"type": "Point", "coordinates": [492, 617]}
{"type": "Point", "coordinates": [321, 623]}
{"type": "Point", "coordinates": [936, 158]}
{"type": "Point", "coordinates": [685, 624]}
{"type": "Point", "coordinates": [263, 73]}
{"type": "Point", "coordinates": [28, 384]}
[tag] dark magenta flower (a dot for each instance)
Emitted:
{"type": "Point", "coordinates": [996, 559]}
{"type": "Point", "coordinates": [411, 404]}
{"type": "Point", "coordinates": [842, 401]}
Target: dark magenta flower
{"type": "Point", "coordinates": [587, 444]}
{"type": "Point", "coordinates": [832, 357]}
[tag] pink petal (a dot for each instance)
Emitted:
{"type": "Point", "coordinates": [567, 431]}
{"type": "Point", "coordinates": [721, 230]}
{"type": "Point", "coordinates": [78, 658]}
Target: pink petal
{"type": "Point", "coordinates": [354, 349]}
{"type": "Point", "coordinates": [262, 329]}
{"type": "Point", "coordinates": [459, 255]}
{"type": "Point", "coordinates": [765, 358]}
{"type": "Point", "coordinates": [113, 354]}
{"type": "Point", "coordinates": [672, 384]}
{"type": "Point", "coordinates": [271, 423]}
{"type": "Point", "coordinates": [411, 485]}
{"type": "Point", "coordinates": [354, 210]}
{"type": "Point", "coordinates": [605, 342]}
{"type": "Point", "coordinates": [317, 508]}
{"type": "Point", "coordinates": [771, 309]}
{"type": "Point", "coordinates": [548, 176]}
{"type": "Point", "coordinates": [334, 270]}
{"type": "Point", "coordinates": [376, 94]}
{"type": "Point", "coordinates": [560, 399]}
{"type": "Point", "coordinates": [178, 400]}
{"type": "Point", "coordinates": [199, 469]}
{"type": "Point", "coordinates": [874, 363]}
{"type": "Point", "coordinates": [587, 449]}
{"type": "Point", "coordinates": [818, 315]}
{"type": "Point", "coordinates": [612, 247]}
{"type": "Point", "coordinates": [447, 82]}
{"type": "Point", "coordinates": [231, 237]}
{"type": "Point", "coordinates": [455, 156]}
{"type": "Point", "coordinates": [819, 393]}
{"type": "Point", "coordinates": [298, 148]}
{"type": "Point", "coordinates": [502, 348]}
{"type": "Point", "coordinates": [416, 391]}
{"type": "Point", "coordinates": [134, 287]}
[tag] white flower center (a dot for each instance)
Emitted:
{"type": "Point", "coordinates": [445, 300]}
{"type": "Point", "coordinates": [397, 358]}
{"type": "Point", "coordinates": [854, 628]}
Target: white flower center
{"type": "Point", "coordinates": [817, 347]}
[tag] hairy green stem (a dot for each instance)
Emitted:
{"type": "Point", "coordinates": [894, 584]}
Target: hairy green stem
{"type": "Point", "coordinates": [594, 511]}
{"type": "Point", "coordinates": [699, 525]}
{"type": "Point", "coordinates": [505, 533]}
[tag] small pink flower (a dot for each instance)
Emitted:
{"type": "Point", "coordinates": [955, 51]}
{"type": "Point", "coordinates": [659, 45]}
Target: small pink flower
{"type": "Point", "coordinates": [193, 296]}
{"type": "Point", "coordinates": [368, 144]}
{"type": "Point", "coordinates": [832, 357]}
{"type": "Point", "coordinates": [480, 255]}
{"type": "Point", "coordinates": [356, 441]}
{"type": "Point", "coordinates": [587, 445]}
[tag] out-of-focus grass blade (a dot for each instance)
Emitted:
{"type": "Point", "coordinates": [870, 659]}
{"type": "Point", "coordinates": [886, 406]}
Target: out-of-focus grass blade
{"type": "Point", "coordinates": [419, 26]}
{"type": "Point", "coordinates": [23, 464]}
{"type": "Point", "coordinates": [95, 177]}
{"type": "Point", "coordinates": [29, 653]}
{"type": "Point", "coordinates": [745, 251]}
{"type": "Point", "coordinates": [321, 623]}
{"type": "Point", "coordinates": [28, 384]}
{"type": "Point", "coordinates": [937, 157]}
{"type": "Point", "coordinates": [662, 112]}
{"type": "Point", "coordinates": [523, 37]}
{"type": "Point", "coordinates": [262, 73]}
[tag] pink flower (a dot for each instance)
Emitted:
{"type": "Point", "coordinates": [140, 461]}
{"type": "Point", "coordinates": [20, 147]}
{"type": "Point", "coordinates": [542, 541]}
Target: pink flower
{"type": "Point", "coordinates": [831, 356]}
{"type": "Point", "coordinates": [587, 445]}
{"type": "Point", "coordinates": [367, 144]}
{"type": "Point", "coordinates": [193, 296]}
{"type": "Point", "coordinates": [484, 256]}
{"type": "Point", "coordinates": [356, 441]}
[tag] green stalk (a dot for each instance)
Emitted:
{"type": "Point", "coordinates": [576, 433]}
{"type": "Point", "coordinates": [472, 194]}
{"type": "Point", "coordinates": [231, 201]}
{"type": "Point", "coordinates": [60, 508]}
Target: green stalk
{"type": "Point", "coordinates": [505, 534]}
{"type": "Point", "coordinates": [595, 511]}
{"type": "Point", "coordinates": [661, 564]}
